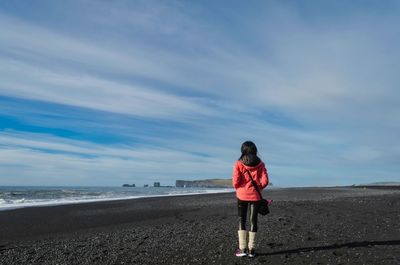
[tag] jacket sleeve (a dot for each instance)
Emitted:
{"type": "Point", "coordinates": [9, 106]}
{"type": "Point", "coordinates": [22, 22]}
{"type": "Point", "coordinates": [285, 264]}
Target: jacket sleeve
{"type": "Point", "coordinates": [264, 178]}
{"type": "Point", "coordinates": [236, 176]}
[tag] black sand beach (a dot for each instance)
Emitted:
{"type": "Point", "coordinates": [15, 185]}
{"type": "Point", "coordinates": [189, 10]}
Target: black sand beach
{"type": "Point", "coordinates": [306, 226]}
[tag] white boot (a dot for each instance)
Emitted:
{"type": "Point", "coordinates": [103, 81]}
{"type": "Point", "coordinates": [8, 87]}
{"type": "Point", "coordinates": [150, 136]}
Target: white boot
{"type": "Point", "coordinates": [252, 244]}
{"type": "Point", "coordinates": [241, 252]}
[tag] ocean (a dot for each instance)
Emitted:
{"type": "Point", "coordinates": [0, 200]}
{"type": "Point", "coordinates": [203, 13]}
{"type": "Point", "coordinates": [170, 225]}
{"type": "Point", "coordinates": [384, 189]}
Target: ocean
{"type": "Point", "coordinates": [18, 197]}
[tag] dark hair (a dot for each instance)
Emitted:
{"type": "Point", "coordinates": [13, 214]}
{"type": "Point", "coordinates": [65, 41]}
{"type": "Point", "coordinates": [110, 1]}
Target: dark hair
{"type": "Point", "coordinates": [248, 148]}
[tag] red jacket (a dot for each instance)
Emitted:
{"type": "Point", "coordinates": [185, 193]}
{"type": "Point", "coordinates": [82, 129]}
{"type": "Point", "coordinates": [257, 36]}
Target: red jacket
{"type": "Point", "coordinates": [245, 190]}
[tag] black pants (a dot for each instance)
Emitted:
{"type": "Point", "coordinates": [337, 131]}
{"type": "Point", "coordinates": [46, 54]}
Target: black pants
{"type": "Point", "coordinates": [250, 208]}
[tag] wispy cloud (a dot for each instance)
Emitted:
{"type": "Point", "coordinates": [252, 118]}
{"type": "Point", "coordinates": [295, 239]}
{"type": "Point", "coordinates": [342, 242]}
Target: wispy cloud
{"type": "Point", "coordinates": [57, 161]}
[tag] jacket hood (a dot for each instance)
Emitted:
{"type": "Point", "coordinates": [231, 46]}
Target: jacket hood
{"type": "Point", "coordinates": [250, 160]}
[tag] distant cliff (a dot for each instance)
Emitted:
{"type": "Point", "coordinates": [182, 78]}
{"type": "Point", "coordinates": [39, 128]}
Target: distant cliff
{"type": "Point", "coordinates": [129, 185]}
{"type": "Point", "coordinates": [207, 183]}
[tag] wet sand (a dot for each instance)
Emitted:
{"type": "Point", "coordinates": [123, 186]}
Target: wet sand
{"type": "Point", "coordinates": [306, 226]}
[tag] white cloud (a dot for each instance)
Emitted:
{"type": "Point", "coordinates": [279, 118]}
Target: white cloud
{"type": "Point", "coordinates": [96, 93]}
{"type": "Point", "coordinates": [58, 161]}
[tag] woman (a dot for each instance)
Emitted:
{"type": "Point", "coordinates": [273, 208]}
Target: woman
{"type": "Point", "coordinates": [247, 195]}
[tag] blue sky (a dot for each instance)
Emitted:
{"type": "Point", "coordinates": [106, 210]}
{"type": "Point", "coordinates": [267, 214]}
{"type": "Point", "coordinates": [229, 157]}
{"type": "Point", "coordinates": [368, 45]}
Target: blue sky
{"type": "Point", "coordinates": [112, 92]}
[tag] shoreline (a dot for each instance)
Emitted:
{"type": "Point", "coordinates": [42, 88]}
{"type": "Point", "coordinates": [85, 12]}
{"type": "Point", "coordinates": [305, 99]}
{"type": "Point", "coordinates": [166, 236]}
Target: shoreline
{"type": "Point", "coordinates": [62, 202]}
{"type": "Point", "coordinates": [83, 201]}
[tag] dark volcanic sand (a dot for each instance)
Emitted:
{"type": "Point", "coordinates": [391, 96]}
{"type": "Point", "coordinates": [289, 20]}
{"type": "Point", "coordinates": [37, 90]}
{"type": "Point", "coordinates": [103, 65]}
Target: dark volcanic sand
{"type": "Point", "coordinates": [306, 226]}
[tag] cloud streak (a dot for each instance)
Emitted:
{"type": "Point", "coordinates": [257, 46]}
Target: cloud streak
{"type": "Point", "coordinates": [57, 161]}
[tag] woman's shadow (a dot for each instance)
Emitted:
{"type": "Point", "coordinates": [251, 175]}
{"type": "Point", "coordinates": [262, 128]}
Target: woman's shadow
{"type": "Point", "coordinates": [334, 246]}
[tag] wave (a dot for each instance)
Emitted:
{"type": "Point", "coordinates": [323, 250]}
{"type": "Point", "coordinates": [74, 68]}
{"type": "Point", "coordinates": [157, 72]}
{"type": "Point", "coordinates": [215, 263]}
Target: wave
{"type": "Point", "coordinates": [17, 193]}
{"type": "Point", "coordinates": [106, 196]}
